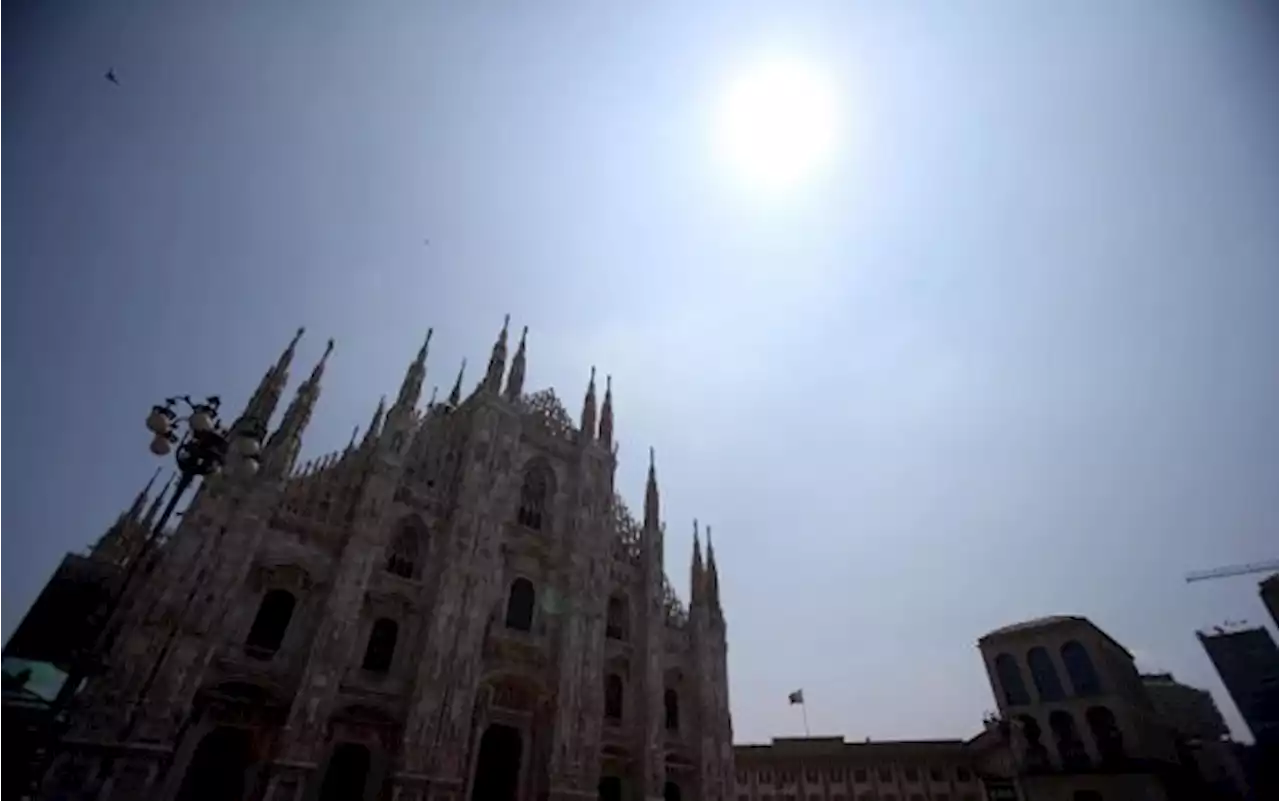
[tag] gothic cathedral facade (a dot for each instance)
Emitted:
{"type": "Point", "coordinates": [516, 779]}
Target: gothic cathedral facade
{"type": "Point", "coordinates": [456, 606]}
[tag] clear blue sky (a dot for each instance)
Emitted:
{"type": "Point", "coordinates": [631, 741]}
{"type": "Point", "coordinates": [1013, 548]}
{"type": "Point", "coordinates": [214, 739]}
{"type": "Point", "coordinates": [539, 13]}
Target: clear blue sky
{"type": "Point", "coordinates": [1013, 353]}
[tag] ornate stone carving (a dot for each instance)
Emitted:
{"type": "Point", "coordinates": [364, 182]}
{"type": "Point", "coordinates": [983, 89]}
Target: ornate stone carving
{"type": "Point", "coordinates": [544, 410]}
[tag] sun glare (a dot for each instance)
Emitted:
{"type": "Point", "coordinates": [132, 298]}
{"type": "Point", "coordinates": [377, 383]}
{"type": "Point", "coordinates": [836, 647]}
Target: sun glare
{"type": "Point", "coordinates": [777, 124]}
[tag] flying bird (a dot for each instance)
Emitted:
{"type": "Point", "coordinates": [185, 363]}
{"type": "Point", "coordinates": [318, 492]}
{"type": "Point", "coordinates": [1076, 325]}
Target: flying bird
{"type": "Point", "coordinates": [111, 76]}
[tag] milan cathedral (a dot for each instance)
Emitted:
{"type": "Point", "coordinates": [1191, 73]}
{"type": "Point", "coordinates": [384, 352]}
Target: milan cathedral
{"type": "Point", "coordinates": [458, 605]}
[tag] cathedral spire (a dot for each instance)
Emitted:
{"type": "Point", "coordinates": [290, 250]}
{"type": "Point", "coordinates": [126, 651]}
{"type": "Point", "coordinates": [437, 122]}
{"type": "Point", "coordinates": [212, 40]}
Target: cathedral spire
{"type": "Point", "coordinates": [140, 500]}
{"type": "Point", "coordinates": [651, 506]}
{"type": "Point", "coordinates": [411, 387]}
{"type": "Point", "coordinates": [497, 359]}
{"type": "Point", "coordinates": [455, 395]}
{"type": "Point", "coordinates": [375, 425]}
{"type": "Point", "coordinates": [695, 570]}
{"type": "Point", "coordinates": [262, 405]}
{"type": "Point", "coordinates": [589, 408]}
{"type": "Point", "coordinates": [713, 575]}
{"type": "Point", "coordinates": [283, 446]}
{"type": "Point", "coordinates": [317, 372]}
{"type": "Point", "coordinates": [606, 414]}
{"type": "Point", "coordinates": [154, 510]}
{"type": "Point", "coordinates": [515, 378]}
{"type": "Point", "coordinates": [113, 545]}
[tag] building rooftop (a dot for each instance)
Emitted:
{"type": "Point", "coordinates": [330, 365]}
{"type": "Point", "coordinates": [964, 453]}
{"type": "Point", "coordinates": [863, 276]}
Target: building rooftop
{"type": "Point", "coordinates": [838, 747]}
{"type": "Point", "coordinates": [1050, 621]}
{"type": "Point", "coordinates": [1036, 623]}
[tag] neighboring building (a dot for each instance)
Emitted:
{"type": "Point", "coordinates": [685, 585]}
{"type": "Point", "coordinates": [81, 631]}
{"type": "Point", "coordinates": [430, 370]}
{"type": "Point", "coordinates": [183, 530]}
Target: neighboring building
{"type": "Point", "coordinates": [992, 758]}
{"type": "Point", "coordinates": [457, 606]}
{"type": "Point", "coordinates": [830, 769]}
{"type": "Point", "coordinates": [1189, 711]}
{"type": "Point", "coordinates": [62, 625]}
{"type": "Point", "coordinates": [1080, 724]}
{"type": "Point", "coordinates": [1246, 661]}
{"type": "Point", "coordinates": [1268, 590]}
{"type": "Point", "coordinates": [1200, 734]}
{"type": "Point", "coordinates": [64, 618]}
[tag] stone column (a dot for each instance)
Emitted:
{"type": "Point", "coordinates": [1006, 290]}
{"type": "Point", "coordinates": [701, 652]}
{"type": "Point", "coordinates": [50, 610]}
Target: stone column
{"type": "Point", "coordinates": [575, 758]}
{"type": "Point", "coordinates": [650, 648]}
{"type": "Point", "coordinates": [438, 729]}
{"type": "Point", "coordinates": [331, 653]}
{"type": "Point", "coordinates": [334, 641]}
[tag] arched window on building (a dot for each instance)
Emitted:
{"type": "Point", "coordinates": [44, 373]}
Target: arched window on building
{"type": "Point", "coordinates": [1035, 755]}
{"type": "Point", "coordinates": [609, 789]}
{"type": "Point", "coordinates": [347, 774]}
{"type": "Point", "coordinates": [1067, 739]}
{"type": "Point", "coordinates": [1080, 670]}
{"type": "Point", "coordinates": [535, 496]}
{"type": "Point", "coordinates": [520, 605]}
{"type": "Point", "coordinates": [381, 646]}
{"type": "Point", "coordinates": [218, 769]}
{"type": "Point", "coordinates": [1045, 675]}
{"type": "Point", "coordinates": [613, 697]}
{"type": "Point", "coordinates": [269, 625]}
{"type": "Point", "coordinates": [403, 553]}
{"type": "Point", "coordinates": [615, 625]}
{"type": "Point", "coordinates": [1106, 734]}
{"type": "Point", "coordinates": [1009, 675]}
{"type": "Point", "coordinates": [671, 709]}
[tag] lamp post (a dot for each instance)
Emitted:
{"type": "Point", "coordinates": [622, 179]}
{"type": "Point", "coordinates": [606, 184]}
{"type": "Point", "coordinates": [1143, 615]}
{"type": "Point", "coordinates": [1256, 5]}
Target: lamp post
{"type": "Point", "coordinates": [203, 448]}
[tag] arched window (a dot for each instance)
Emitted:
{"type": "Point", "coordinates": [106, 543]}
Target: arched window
{"type": "Point", "coordinates": [402, 555]}
{"type": "Point", "coordinates": [615, 626]}
{"type": "Point", "coordinates": [347, 773]}
{"type": "Point", "coordinates": [1010, 677]}
{"type": "Point", "coordinates": [535, 495]}
{"type": "Point", "coordinates": [1035, 754]}
{"type": "Point", "coordinates": [1067, 738]}
{"type": "Point", "coordinates": [671, 708]}
{"type": "Point", "coordinates": [613, 697]}
{"type": "Point", "coordinates": [381, 646]}
{"type": "Point", "coordinates": [1044, 674]}
{"type": "Point", "coordinates": [609, 789]}
{"type": "Point", "coordinates": [218, 767]}
{"type": "Point", "coordinates": [1106, 734]}
{"type": "Point", "coordinates": [267, 631]}
{"type": "Point", "coordinates": [1084, 679]}
{"type": "Point", "coordinates": [520, 605]}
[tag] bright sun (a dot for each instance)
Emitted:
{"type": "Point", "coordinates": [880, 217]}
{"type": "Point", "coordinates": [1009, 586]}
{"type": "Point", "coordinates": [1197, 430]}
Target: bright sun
{"type": "Point", "coordinates": [777, 124]}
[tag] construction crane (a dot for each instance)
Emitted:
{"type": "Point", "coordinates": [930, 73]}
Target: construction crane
{"type": "Point", "coordinates": [1268, 566]}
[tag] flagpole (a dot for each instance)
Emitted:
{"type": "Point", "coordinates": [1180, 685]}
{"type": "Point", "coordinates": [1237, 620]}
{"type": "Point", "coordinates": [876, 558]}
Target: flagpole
{"type": "Point", "coordinates": [804, 713]}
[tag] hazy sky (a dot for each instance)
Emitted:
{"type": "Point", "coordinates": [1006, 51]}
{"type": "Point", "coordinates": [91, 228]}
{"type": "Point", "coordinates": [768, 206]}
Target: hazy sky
{"type": "Point", "coordinates": [1012, 353]}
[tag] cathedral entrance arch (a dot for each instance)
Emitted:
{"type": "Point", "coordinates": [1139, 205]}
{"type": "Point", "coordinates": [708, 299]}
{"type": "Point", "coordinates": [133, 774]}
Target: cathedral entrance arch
{"type": "Point", "coordinates": [218, 767]}
{"type": "Point", "coordinates": [498, 765]}
{"type": "Point", "coordinates": [347, 773]}
{"type": "Point", "coordinates": [670, 792]}
{"type": "Point", "coordinates": [610, 788]}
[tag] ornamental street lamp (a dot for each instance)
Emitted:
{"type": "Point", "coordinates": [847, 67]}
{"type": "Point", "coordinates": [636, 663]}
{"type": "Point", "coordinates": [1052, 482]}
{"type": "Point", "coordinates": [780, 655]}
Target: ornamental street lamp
{"type": "Point", "coordinates": [204, 447]}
